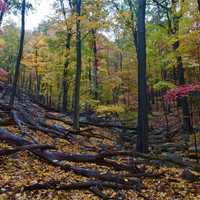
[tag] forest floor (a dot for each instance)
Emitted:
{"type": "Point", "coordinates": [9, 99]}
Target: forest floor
{"type": "Point", "coordinates": [157, 178]}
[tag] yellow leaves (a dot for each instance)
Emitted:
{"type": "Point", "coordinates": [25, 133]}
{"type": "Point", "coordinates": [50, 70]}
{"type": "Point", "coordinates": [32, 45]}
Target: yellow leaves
{"type": "Point", "coordinates": [93, 25]}
{"type": "Point", "coordinates": [2, 43]}
{"type": "Point", "coordinates": [109, 109]}
{"type": "Point", "coordinates": [112, 82]}
{"type": "Point", "coordinates": [41, 42]}
{"type": "Point", "coordinates": [125, 14]}
{"type": "Point", "coordinates": [81, 18]}
{"type": "Point", "coordinates": [163, 85]}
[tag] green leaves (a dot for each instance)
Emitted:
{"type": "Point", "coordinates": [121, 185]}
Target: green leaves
{"type": "Point", "coordinates": [163, 85]}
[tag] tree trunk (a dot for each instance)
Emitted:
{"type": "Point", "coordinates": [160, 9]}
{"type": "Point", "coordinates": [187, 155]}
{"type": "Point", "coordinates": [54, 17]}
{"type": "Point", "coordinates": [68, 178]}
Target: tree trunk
{"type": "Point", "coordinates": [38, 78]}
{"type": "Point", "coordinates": [65, 84]}
{"type": "Point", "coordinates": [78, 68]}
{"type": "Point", "coordinates": [2, 13]}
{"type": "Point", "coordinates": [38, 81]}
{"type": "Point", "coordinates": [198, 1]}
{"type": "Point", "coordinates": [19, 56]}
{"type": "Point", "coordinates": [133, 26]}
{"type": "Point", "coordinates": [142, 140]}
{"type": "Point", "coordinates": [187, 125]}
{"type": "Point", "coordinates": [1, 17]}
{"type": "Point", "coordinates": [95, 63]}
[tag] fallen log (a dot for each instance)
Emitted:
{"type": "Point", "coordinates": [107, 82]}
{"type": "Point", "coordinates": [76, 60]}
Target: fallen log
{"type": "Point", "coordinates": [86, 132]}
{"type": "Point", "coordinates": [92, 186]}
{"type": "Point", "coordinates": [51, 132]}
{"type": "Point", "coordinates": [6, 152]}
{"type": "Point", "coordinates": [97, 159]}
{"type": "Point", "coordinates": [104, 125]}
{"type": "Point", "coordinates": [164, 158]}
{"type": "Point", "coordinates": [19, 141]}
{"type": "Point", "coordinates": [56, 185]}
{"type": "Point", "coordinates": [23, 121]}
{"type": "Point", "coordinates": [54, 159]}
{"type": "Point", "coordinates": [59, 156]}
{"type": "Point", "coordinates": [27, 122]}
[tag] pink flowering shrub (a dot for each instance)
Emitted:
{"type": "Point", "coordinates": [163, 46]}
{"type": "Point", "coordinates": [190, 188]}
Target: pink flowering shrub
{"type": "Point", "coordinates": [181, 91]}
{"type": "Point", "coordinates": [3, 6]}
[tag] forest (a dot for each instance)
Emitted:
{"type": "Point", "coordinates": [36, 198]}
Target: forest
{"type": "Point", "coordinates": [100, 101]}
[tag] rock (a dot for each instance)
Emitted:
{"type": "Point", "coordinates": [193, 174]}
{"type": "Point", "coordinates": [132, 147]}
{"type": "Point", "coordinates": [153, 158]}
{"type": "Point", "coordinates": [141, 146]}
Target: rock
{"type": "Point", "coordinates": [83, 119]}
{"type": "Point", "coordinates": [173, 156]}
{"type": "Point", "coordinates": [171, 147]}
{"type": "Point", "coordinates": [120, 195]}
{"type": "Point", "coordinates": [189, 176]}
{"type": "Point", "coordinates": [193, 149]}
{"type": "Point", "coordinates": [137, 184]}
{"type": "Point", "coordinates": [59, 127]}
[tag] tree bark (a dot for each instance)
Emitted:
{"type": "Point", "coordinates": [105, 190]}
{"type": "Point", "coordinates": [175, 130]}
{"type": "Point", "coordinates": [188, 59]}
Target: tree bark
{"type": "Point", "coordinates": [187, 125]}
{"type": "Point", "coordinates": [1, 17]}
{"type": "Point", "coordinates": [133, 27]}
{"type": "Point", "coordinates": [66, 64]}
{"type": "Point", "coordinates": [65, 85]}
{"type": "Point", "coordinates": [142, 140]}
{"type": "Point", "coordinates": [37, 75]}
{"type": "Point", "coordinates": [19, 56]}
{"type": "Point", "coordinates": [95, 63]}
{"type": "Point", "coordinates": [78, 67]}
{"type": "Point", "coordinates": [198, 1]}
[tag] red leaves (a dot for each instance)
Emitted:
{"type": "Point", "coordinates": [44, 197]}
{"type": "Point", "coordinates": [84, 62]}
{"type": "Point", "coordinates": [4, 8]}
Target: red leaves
{"type": "Point", "coordinates": [3, 75]}
{"type": "Point", "coordinates": [181, 91]}
{"type": "Point", "coordinates": [3, 6]}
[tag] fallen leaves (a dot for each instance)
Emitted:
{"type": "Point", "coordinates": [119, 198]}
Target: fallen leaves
{"type": "Point", "coordinates": [25, 169]}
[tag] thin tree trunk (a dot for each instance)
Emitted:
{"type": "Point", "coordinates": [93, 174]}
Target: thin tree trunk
{"type": "Point", "coordinates": [66, 64]}
{"type": "Point", "coordinates": [198, 1]}
{"type": "Point", "coordinates": [133, 27]}
{"type": "Point", "coordinates": [1, 17]}
{"type": "Point", "coordinates": [38, 78]}
{"type": "Point", "coordinates": [65, 85]}
{"type": "Point", "coordinates": [78, 68]}
{"type": "Point", "coordinates": [142, 140]}
{"type": "Point", "coordinates": [19, 56]}
{"type": "Point", "coordinates": [2, 13]}
{"type": "Point", "coordinates": [187, 125]}
{"type": "Point", "coordinates": [30, 84]}
{"type": "Point", "coordinates": [95, 64]}
{"type": "Point", "coordinates": [37, 75]}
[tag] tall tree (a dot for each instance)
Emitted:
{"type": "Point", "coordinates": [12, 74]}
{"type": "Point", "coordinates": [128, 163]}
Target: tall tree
{"type": "Point", "coordinates": [95, 63]}
{"type": "Point", "coordinates": [78, 67]}
{"type": "Point", "coordinates": [3, 8]}
{"type": "Point", "coordinates": [66, 63]}
{"type": "Point", "coordinates": [142, 140]}
{"type": "Point", "coordinates": [174, 12]}
{"type": "Point", "coordinates": [198, 1]}
{"type": "Point", "coordinates": [19, 55]}
{"type": "Point", "coordinates": [187, 124]}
